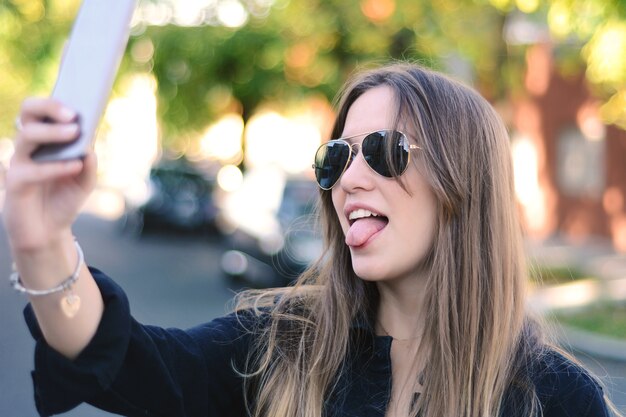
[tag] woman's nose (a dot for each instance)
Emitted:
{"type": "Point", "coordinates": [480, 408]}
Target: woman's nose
{"type": "Point", "coordinates": [357, 174]}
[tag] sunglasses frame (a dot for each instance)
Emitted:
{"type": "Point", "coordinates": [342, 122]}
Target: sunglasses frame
{"type": "Point", "coordinates": [354, 153]}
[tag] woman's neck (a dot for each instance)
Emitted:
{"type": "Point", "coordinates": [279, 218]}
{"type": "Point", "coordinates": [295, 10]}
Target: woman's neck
{"type": "Point", "coordinates": [401, 308]}
{"type": "Point", "coordinates": [401, 315]}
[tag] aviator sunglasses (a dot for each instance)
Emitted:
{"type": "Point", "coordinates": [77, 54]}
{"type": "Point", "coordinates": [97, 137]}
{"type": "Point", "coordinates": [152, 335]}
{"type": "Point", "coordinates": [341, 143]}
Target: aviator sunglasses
{"type": "Point", "coordinates": [387, 152]}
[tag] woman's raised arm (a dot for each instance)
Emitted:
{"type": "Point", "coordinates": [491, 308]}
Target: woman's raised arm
{"type": "Point", "coordinates": [42, 202]}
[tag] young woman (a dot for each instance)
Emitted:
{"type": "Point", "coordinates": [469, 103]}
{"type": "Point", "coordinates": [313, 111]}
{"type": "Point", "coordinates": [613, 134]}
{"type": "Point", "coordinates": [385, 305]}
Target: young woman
{"type": "Point", "coordinates": [416, 307]}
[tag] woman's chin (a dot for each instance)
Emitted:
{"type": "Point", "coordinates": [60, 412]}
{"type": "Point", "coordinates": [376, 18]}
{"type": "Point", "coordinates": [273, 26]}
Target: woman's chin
{"type": "Point", "coordinates": [369, 274]}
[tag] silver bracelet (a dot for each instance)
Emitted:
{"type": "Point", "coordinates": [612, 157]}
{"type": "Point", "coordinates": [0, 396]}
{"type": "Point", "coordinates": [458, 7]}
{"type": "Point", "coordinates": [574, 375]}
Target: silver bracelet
{"type": "Point", "coordinates": [66, 285]}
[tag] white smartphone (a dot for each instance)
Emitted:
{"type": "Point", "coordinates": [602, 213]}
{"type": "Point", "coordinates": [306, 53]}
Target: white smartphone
{"type": "Point", "coordinates": [88, 68]}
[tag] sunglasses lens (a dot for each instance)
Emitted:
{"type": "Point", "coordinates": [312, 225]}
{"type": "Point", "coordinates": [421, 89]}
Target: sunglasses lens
{"type": "Point", "coordinates": [387, 152]}
{"type": "Point", "coordinates": [330, 162]}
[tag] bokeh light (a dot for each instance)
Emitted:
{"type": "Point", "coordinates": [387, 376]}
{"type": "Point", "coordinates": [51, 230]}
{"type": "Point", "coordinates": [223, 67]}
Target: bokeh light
{"type": "Point", "coordinates": [128, 144]}
{"type": "Point", "coordinates": [229, 178]}
{"type": "Point", "coordinates": [606, 54]}
{"type": "Point", "coordinates": [288, 143]}
{"type": "Point", "coordinates": [222, 140]}
{"type": "Point", "coordinates": [527, 6]}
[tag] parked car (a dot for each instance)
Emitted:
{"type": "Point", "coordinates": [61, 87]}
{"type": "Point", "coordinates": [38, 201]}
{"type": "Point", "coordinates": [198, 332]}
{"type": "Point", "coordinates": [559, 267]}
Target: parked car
{"type": "Point", "coordinates": [274, 255]}
{"type": "Point", "coordinates": [180, 197]}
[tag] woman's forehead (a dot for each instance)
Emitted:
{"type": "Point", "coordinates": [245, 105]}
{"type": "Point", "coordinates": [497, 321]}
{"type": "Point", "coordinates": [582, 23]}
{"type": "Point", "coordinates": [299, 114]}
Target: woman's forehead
{"type": "Point", "coordinates": [370, 110]}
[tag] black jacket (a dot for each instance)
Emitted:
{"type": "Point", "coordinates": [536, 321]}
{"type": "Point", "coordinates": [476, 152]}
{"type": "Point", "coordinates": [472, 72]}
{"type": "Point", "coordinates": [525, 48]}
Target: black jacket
{"type": "Point", "coordinates": [137, 370]}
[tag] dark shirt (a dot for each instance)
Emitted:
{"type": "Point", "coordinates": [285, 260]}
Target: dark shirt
{"type": "Point", "coordinates": [137, 370]}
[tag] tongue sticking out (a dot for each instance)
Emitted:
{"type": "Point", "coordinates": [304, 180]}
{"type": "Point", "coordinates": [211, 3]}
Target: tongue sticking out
{"type": "Point", "coordinates": [363, 229]}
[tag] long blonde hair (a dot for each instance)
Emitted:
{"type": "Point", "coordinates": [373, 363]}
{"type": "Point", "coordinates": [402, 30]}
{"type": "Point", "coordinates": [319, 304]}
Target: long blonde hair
{"type": "Point", "coordinates": [477, 333]}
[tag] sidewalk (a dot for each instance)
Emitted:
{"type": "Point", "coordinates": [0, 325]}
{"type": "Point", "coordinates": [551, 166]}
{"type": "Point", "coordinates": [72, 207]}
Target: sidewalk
{"type": "Point", "coordinates": [600, 261]}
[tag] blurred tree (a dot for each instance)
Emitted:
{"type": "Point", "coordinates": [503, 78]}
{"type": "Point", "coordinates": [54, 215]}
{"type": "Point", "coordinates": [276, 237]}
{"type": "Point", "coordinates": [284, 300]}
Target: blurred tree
{"type": "Point", "coordinates": [31, 39]}
{"type": "Point", "coordinates": [309, 47]}
{"type": "Point", "coordinates": [213, 56]}
{"type": "Point", "coordinates": [589, 35]}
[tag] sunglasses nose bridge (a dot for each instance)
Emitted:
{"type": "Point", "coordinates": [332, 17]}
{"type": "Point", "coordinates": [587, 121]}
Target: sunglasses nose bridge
{"type": "Point", "coordinates": [354, 151]}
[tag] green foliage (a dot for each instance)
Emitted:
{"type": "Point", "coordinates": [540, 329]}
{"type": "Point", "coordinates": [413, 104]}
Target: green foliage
{"type": "Point", "coordinates": [31, 39]}
{"type": "Point", "coordinates": [599, 27]}
{"type": "Point", "coordinates": [301, 48]}
{"type": "Point", "coordinates": [604, 318]}
{"type": "Point", "coordinates": [554, 275]}
{"type": "Point", "coordinates": [309, 48]}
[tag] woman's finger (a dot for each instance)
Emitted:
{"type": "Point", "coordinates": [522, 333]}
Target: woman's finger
{"type": "Point", "coordinates": [40, 132]}
{"type": "Point", "coordinates": [43, 120]}
{"type": "Point", "coordinates": [35, 134]}
{"type": "Point", "coordinates": [87, 177]}
{"type": "Point", "coordinates": [23, 149]}
{"type": "Point", "coordinates": [40, 109]}
{"type": "Point", "coordinates": [22, 174]}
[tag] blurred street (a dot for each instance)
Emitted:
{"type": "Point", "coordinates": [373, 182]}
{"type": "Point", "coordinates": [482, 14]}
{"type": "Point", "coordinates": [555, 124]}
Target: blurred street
{"type": "Point", "coordinates": [171, 281]}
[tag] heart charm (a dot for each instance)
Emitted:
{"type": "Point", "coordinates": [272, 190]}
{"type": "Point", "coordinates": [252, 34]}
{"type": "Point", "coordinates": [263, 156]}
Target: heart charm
{"type": "Point", "coordinates": [70, 304]}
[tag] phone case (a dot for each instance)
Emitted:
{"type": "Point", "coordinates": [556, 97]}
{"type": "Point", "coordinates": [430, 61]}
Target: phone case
{"type": "Point", "coordinates": [88, 68]}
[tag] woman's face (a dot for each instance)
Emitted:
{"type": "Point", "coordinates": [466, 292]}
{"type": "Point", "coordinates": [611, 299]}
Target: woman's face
{"type": "Point", "coordinates": [393, 244]}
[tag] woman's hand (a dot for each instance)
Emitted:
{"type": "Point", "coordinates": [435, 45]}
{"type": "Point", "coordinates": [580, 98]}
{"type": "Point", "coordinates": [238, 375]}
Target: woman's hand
{"type": "Point", "coordinates": [42, 201]}
{"type": "Point", "coordinates": [44, 198]}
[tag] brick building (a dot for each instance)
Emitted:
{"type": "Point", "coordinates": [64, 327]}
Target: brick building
{"type": "Point", "coordinates": [570, 167]}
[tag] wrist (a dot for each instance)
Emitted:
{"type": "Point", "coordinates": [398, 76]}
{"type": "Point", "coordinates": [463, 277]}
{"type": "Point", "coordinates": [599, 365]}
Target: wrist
{"type": "Point", "coordinates": [39, 244]}
{"type": "Point", "coordinates": [47, 265]}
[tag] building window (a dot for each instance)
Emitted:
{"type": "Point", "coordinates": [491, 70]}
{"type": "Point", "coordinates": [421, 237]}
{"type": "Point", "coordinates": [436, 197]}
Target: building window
{"type": "Point", "coordinates": [580, 165]}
